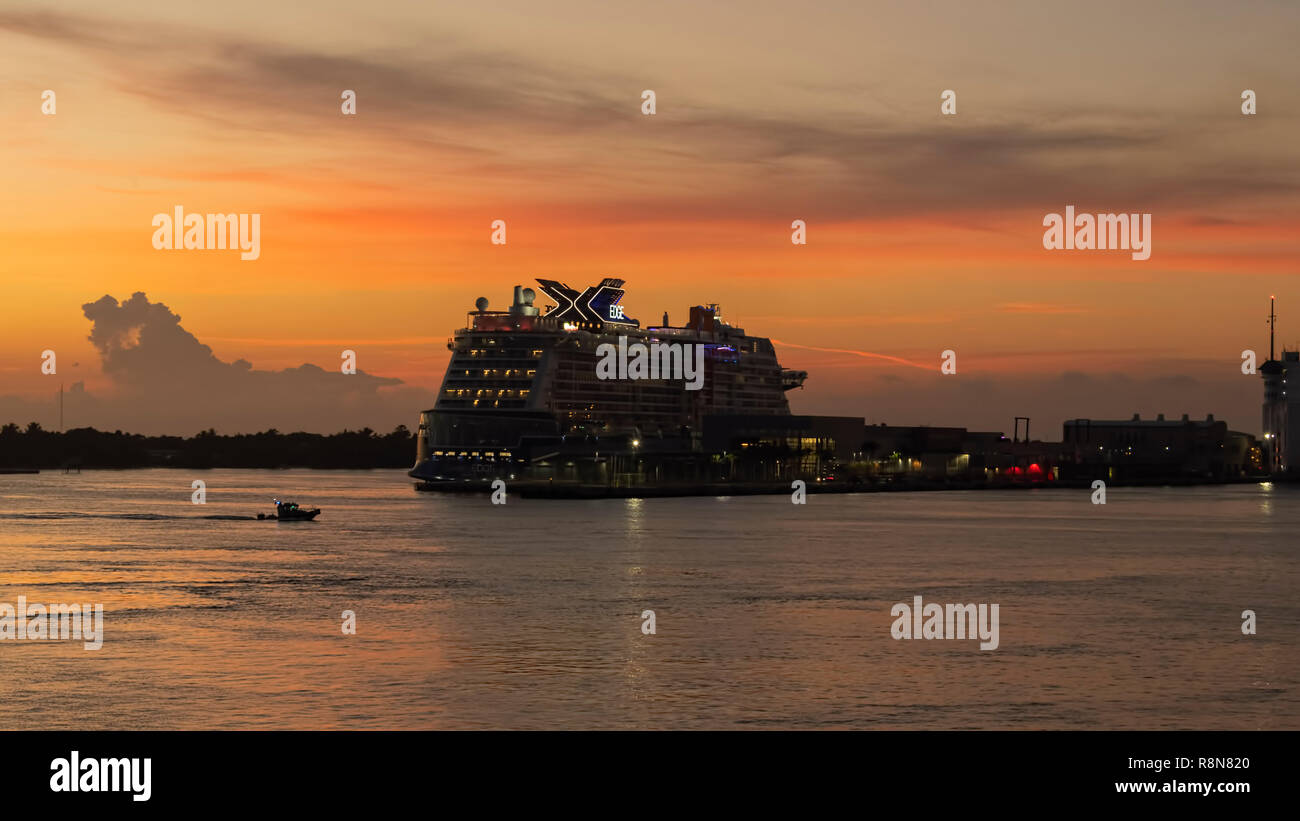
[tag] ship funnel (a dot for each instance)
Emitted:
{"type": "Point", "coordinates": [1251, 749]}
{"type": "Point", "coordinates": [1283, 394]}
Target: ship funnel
{"type": "Point", "coordinates": [523, 304]}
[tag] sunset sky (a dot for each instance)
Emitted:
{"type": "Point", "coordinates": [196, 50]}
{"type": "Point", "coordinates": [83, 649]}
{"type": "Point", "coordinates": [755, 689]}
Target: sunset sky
{"type": "Point", "coordinates": [924, 230]}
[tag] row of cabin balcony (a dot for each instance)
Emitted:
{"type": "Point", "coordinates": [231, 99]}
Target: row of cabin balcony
{"type": "Point", "coordinates": [503, 392]}
{"type": "Point", "coordinates": [499, 373]}
{"type": "Point", "coordinates": [535, 353]}
{"type": "Point", "coordinates": [481, 403]}
{"type": "Point", "coordinates": [486, 454]}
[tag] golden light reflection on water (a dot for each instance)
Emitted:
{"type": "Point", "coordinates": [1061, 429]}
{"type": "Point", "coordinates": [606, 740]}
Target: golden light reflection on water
{"type": "Point", "coordinates": [530, 614]}
{"type": "Point", "coordinates": [1266, 502]}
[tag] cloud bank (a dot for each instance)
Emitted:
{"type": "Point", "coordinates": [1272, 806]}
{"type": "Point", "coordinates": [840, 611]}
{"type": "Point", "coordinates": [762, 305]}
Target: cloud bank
{"type": "Point", "coordinates": [164, 380]}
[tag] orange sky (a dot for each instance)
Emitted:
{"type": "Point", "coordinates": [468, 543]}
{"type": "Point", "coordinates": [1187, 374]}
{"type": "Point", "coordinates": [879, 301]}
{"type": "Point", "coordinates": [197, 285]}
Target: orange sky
{"type": "Point", "coordinates": [925, 231]}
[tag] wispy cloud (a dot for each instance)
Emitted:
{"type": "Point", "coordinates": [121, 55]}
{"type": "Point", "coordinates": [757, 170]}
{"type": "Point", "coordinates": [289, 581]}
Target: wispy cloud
{"type": "Point", "coordinates": [507, 118]}
{"type": "Point", "coordinates": [1038, 308]}
{"type": "Point", "coordinates": [898, 360]}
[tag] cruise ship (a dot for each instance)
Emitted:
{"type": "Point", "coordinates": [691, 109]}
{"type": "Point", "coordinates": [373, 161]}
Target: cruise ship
{"type": "Point", "coordinates": [522, 399]}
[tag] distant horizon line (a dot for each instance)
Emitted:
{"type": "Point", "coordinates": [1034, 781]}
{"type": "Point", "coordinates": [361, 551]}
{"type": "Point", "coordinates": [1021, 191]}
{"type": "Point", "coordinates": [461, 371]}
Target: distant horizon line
{"type": "Point", "coordinates": [1160, 418]}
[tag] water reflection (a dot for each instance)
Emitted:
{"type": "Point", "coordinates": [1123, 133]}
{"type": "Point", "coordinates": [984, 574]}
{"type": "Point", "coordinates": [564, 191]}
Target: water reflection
{"type": "Point", "coordinates": [530, 614]}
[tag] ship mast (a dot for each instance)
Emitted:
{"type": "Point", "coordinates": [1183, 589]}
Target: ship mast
{"type": "Point", "coordinates": [1272, 324]}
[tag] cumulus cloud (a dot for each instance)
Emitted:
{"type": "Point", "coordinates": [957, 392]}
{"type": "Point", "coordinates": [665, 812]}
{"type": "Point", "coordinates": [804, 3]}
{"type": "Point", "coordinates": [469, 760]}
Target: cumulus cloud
{"type": "Point", "coordinates": [164, 380]}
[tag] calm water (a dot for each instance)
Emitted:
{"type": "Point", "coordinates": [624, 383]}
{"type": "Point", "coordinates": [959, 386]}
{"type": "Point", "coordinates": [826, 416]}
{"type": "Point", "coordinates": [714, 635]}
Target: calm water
{"type": "Point", "coordinates": [769, 615]}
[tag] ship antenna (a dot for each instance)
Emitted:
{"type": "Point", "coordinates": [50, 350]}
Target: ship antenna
{"type": "Point", "coordinates": [1272, 324]}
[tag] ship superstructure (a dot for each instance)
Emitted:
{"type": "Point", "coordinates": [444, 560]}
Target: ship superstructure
{"type": "Point", "coordinates": [522, 385]}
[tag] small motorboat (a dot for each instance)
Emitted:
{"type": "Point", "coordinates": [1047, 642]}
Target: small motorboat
{"type": "Point", "coordinates": [290, 512]}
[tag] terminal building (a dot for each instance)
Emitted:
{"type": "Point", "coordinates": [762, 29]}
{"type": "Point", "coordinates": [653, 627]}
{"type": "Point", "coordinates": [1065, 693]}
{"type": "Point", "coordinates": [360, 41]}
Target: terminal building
{"type": "Point", "coordinates": [1140, 450]}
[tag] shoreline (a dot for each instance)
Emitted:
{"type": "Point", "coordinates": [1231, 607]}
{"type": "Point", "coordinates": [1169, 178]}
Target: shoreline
{"type": "Point", "coordinates": [538, 489]}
